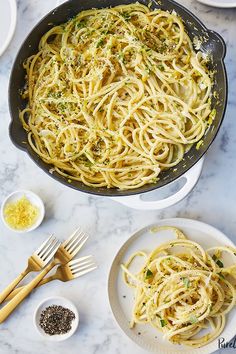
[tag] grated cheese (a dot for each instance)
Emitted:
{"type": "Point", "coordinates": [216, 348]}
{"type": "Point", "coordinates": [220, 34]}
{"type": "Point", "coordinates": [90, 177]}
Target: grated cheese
{"type": "Point", "coordinates": [21, 214]}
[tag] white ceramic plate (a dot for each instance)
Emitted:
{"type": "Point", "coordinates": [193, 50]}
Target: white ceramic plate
{"type": "Point", "coordinates": [219, 3]}
{"type": "Point", "coordinates": [8, 12]}
{"type": "Point", "coordinates": [121, 296]}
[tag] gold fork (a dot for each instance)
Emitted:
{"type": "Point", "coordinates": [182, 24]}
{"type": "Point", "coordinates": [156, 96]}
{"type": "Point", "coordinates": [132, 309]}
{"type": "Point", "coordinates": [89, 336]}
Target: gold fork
{"type": "Point", "coordinates": [70, 247]}
{"type": "Point", "coordinates": [36, 262]}
{"type": "Point", "coordinates": [67, 272]}
{"type": "Point", "coordinates": [63, 255]}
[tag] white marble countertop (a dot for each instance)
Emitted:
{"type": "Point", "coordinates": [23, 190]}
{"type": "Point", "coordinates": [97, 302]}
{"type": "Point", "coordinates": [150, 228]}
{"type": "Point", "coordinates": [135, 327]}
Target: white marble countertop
{"type": "Point", "coordinates": [110, 224]}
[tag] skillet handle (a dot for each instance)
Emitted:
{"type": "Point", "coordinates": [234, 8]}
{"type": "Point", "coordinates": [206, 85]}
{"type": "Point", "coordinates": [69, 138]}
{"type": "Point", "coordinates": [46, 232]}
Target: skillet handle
{"type": "Point", "coordinates": [136, 202]}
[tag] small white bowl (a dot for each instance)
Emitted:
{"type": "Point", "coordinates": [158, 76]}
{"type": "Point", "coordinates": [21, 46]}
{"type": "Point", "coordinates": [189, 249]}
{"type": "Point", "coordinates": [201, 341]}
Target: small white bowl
{"type": "Point", "coordinates": [61, 301]}
{"type": "Point", "coordinates": [33, 198]}
{"type": "Point", "coordinates": [8, 15]}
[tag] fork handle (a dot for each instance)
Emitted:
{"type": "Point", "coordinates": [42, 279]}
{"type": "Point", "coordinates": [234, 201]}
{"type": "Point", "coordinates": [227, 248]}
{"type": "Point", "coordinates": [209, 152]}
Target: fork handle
{"type": "Point", "coordinates": [14, 283]}
{"type": "Point", "coordinates": [11, 305]}
{"type": "Point", "coordinates": [17, 290]}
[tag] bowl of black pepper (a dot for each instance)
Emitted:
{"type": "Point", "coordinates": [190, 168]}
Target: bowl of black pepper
{"type": "Point", "coordinates": [56, 318]}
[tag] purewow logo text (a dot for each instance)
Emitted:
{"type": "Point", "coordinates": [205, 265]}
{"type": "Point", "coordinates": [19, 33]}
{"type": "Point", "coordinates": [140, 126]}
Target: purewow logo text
{"type": "Point", "coordinates": [222, 344]}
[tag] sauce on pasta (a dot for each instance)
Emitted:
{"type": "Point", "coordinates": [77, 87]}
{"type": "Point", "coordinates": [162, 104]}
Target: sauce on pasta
{"type": "Point", "coordinates": [116, 95]}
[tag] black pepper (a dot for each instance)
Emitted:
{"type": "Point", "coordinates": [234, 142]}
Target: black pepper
{"type": "Point", "coordinates": [56, 320]}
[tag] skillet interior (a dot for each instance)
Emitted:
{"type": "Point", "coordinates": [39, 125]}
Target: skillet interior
{"type": "Point", "coordinates": [213, 44]}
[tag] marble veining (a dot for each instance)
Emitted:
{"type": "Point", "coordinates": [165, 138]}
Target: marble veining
{"type": "Point", "coordinates": [109, 223]}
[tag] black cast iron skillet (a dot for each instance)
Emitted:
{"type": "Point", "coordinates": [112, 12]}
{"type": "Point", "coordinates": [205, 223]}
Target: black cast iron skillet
{"type": "Point", "coordinates": [213, 44]}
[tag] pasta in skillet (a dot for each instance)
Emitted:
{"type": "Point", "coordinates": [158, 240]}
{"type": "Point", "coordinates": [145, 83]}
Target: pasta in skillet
{"type": "Point", "coordinates": [116, 95]}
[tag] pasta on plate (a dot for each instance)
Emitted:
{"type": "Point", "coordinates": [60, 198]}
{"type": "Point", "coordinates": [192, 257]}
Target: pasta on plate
{"type": "Point", "coordinates": [183, 290]}
{"type": "Point", "coordinates": [116, 95]}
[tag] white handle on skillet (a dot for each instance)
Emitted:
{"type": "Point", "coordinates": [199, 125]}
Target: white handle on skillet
{"type": "Point", "coordinates": [191, 178]}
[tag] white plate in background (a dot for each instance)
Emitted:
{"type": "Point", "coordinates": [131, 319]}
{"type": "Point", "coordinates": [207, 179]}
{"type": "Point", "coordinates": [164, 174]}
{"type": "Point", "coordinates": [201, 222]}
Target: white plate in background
{"type": "Point", "coordinates": [219, 3]}
{"type": "Point", "coordinates": [121, 296]}
{"type": "Point", "coordinates": [8, 11]}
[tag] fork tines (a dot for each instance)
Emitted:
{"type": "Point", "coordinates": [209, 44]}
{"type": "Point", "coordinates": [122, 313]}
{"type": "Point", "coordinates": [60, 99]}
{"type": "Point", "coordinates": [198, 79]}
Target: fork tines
{"type": "Point", "coordinates": [82, 266]}
{"type": "Point", "coordinates": [48, 249]}
{"type": "Point", "coordinates": [75, 242]}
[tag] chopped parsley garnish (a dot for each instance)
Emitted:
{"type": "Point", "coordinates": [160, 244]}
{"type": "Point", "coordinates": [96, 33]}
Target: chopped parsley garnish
{"type": "Point", "coordinates": [218, 261]}
{"type": "Point", "coordinates": [100, 42]}
{"type": "Point", "coordinates": [161, 67]}
{"type": "Point", "coordinates": [163, 323]}
{"type": "Point", "coordinates": [186, 282]}
{"type": "Point", "coordinates": [81, 24]}
{"type": "Point", "coordinates": [126, 16]}
{"type": "Point", "coordinates": [149, 274]}
{"type": "Point", "coordinates": [193, 319]}
{"type": "Point", "coordinates": [62, 106]}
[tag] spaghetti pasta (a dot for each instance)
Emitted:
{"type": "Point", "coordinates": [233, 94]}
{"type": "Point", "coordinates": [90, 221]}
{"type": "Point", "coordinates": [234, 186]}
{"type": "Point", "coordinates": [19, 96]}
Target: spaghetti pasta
{"type": "Point", "coordinates": [183, 289]}
{"type": "Point", "coordinates": [116, 95]}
